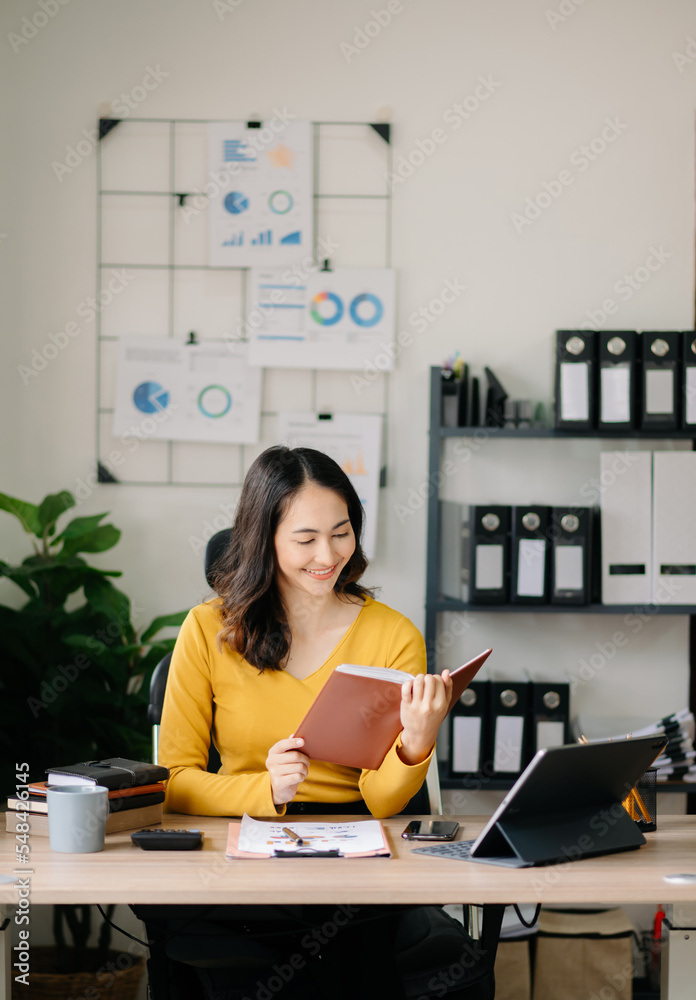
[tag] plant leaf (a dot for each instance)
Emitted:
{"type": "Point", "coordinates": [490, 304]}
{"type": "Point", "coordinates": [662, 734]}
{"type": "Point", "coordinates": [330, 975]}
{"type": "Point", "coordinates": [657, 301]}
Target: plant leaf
{"type": "Point", "coordinates": [98, 540]}
{"type": "Point", "coordinates": [52, 506]}
{"type": "Point", "coordinates": [103, 596]}
{"type": "Point", "coordinates": [27, 513]}
{"type": "Point", "coordinates": [163, 621]}
{"type": "Point", "coordinates": [20, 577]}
{"type": "Point", "coordinates": [79, 526]}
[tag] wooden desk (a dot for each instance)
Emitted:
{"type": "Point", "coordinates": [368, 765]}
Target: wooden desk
{"type": "Point", "coordinates": [123, 873]}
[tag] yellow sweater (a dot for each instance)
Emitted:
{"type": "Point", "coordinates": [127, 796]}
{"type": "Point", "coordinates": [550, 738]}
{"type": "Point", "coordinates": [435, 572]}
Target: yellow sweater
{"type": "Point", "coordinates": [254, 710]}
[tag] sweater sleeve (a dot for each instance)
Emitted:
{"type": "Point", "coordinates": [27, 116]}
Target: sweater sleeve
{"type": "Point", "coordinates": [388, 789]}
{"type": "Point", "coordinates": [187, 717]}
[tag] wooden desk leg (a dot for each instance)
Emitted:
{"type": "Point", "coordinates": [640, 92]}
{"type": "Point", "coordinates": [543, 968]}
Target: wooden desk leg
{"type": "Point", "coordinates": [5, 954]}
{"type": "Point", "coordinates": [678, 952]}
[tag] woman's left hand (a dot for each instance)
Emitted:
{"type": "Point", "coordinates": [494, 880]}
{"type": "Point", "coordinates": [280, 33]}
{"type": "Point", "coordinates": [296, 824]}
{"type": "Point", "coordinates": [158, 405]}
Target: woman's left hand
{"type": "Point", "coordinates": [424, 705]}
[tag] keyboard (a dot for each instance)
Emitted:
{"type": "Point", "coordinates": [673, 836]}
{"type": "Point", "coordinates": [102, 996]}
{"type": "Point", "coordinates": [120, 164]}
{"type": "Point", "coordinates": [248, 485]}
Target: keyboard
{"type": "Point", "coordinates": [458, 849]}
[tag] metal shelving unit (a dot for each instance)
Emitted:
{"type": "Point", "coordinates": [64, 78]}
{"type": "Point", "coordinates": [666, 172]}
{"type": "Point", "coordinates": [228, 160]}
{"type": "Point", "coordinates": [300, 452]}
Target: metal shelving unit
{"type": "Point", "coordinates": [436, 604]}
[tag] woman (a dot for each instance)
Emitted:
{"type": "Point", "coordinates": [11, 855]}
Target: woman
{"type": "Point", "coordinates": [247, 666]}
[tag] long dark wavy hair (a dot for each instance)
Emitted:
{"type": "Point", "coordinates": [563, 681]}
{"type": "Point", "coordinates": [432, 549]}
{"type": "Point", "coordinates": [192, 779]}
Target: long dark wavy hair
{"type": "Point", "coordinates": [254, 619]}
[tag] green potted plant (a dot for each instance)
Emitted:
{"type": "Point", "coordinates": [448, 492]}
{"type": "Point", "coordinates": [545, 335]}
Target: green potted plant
{"type": "Point", "coordinates": [75, 668]}
{"type": "Point", "coordinates": [76, 661]}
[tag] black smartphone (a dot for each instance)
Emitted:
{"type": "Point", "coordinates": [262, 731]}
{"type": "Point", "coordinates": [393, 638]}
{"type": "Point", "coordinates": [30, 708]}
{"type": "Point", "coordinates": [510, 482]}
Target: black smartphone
{"type": "Point", "coordinates": [431, 829]}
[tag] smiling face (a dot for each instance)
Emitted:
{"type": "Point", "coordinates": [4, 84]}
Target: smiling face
{"type": "Point", "coordinates": [313, 542]}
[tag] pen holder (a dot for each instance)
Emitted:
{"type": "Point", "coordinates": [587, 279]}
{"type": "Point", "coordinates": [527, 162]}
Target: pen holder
{"type": "Point", "coordinates": [641, 803]}
{"type": "Point", "coordinates": [454, 403]}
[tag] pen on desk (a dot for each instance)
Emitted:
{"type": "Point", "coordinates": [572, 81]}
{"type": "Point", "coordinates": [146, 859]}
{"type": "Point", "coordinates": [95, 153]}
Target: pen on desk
{"type": "Point", "coordinates": [293, 836]}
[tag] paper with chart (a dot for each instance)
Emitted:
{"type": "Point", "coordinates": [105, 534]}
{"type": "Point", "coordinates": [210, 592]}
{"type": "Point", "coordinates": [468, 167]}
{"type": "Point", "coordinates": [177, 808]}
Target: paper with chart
{"type": "Point", "coordinates": [343, 318]}
{"type": "Point", "coordinates": [357, 837]}
{"type": "Point", "coordinates": [261, 204]}
{"type": "Point", "coordinates": [186, 392]}
{"type": "Point", "coordinates": [355, 443]}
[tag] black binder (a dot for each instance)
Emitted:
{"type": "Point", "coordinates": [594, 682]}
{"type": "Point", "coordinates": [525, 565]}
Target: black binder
{"type": "Point", "coordinates": [550, 715]}
{"type": "Point", "coordinates": [567, 805]}
{"type": "Point", "coordinates": [455, 400]}
{"type": "Point", "coordinates": [571, 562]}
{"type": "Point", "coordinates": [490, 554]}
{"type": "Point", "coordinates": [576, 361]}
{"type": "Point", "coordinates": [618, 385]}
{"type": "Point", "coordinates": [529, 555]}
{"type": "Point", "coordinates": [660, 396]}
{"type": "Point", "coordinates": [688, 379]}
{"type": "Point", "coordinates": [495, 401]}
{"type": "Point", "coordinates": [469, 729]}
{"type": "Point", "coordinates": [509, 715]}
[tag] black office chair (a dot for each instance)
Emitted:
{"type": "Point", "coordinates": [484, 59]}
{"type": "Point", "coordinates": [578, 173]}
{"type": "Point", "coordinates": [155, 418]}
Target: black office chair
{"type": "Point", "coordinates": [428, 940]}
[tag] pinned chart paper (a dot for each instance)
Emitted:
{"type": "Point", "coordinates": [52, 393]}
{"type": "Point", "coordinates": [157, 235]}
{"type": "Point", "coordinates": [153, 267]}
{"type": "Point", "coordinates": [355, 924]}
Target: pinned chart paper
{"type": "Point", "coordinates": [355, 442]}
{"type": "Point", "coordinates": [186, 392]}
{"type": "Point", "coordinates": [329, 319]}
{"type": "Point", "coordinates": [261, 208]}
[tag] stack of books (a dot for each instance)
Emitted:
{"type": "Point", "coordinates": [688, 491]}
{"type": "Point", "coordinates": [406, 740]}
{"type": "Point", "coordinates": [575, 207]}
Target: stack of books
{"type": "Point", "coordinates": [678, 760]}
{"type": "Point", "coordinates": [136, 794]}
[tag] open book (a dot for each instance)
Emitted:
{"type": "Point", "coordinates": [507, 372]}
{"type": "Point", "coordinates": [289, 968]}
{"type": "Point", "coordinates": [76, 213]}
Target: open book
{"type": "Point", "coordinates": [356, 716]}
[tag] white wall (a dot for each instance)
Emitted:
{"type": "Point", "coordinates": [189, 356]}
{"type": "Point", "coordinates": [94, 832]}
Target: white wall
{"type": "Point", "coordinates": [553, 86]}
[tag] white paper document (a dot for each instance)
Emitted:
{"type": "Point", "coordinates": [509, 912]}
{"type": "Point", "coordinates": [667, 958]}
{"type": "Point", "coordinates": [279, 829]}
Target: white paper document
{"type": "Point", "coordinates": [261, 205]}
{"type": "Point", "coordinates": [507, 748]}
{"type": "Point", "coordinates": [659, 391]}
{"type": "Point", "coordinates": [358, 837]}
{"type": "Point", "coordinates": [690, 395]}
{"type": "Point", "coordinates": [342, 319]}
{"type": "Point", "coordinates": [355, 443]}
{"type": "Point", "coordinates": [615, 394]}
{"type": "Point", "coordinates": [489, 567]}
{"type": "Point", "coordinates": [575, 391]}
{"type": "Point", "coordinates": [531, 567]}
{"type": "Point", "coordinates": [466, 743]}
{"type": "Point", "coordinates": [168, 390]}
{"type": "Point", "coordinates": [569, 567]}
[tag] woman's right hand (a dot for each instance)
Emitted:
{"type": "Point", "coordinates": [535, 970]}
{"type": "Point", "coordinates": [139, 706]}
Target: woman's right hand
{"type": "Point", "coordinates": [287, 766]}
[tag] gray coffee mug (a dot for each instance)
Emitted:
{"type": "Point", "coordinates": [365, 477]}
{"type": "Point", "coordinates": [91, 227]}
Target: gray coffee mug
{"type": "Point", "coordinates": [77, 817]}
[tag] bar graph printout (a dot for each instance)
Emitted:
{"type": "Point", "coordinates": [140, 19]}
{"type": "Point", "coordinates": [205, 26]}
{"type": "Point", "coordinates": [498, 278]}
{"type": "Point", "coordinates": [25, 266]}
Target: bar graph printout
{"type": "Point", "coordinates": [260, 203]}
{"type": "Point", "coordinates": [354, 441]}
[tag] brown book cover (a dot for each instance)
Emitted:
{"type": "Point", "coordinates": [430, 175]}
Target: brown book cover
{"type": "Point", "coordinates": [355, 718]}
{"type": "Point", "coordinates": [39, 788]}
{"type": "Point", "coordinates": [132, 819]}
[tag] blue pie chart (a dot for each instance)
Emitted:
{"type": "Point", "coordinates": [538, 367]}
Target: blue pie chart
{"type": "Point", "coordinates": [369, 316]}
{"type": "Point", "coordinates": [150, 397]}
{"type": "Point", "coordinates": [236, 202]}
